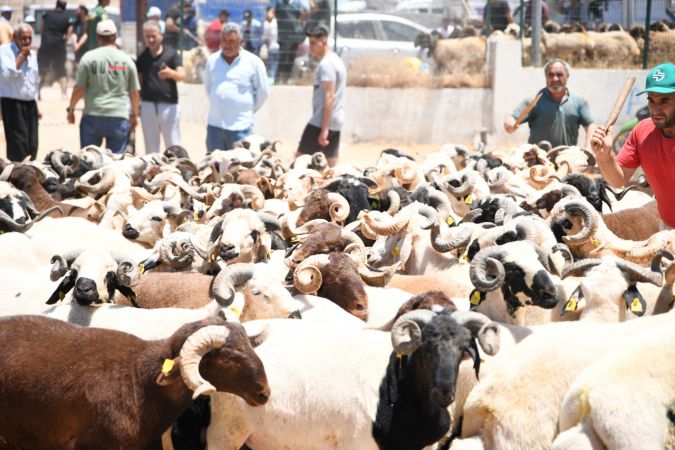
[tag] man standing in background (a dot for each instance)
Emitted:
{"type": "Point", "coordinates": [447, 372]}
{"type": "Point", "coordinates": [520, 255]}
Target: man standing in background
{"type": "Point", "coordinates": [52, 52]}
{"type": "Point", "coordinates": [291, 15]}
{"type": "Point", "coordinates": [107, 79]}
{"type": "Point", "coordinates": [322, 133]}
{"type": "Point", "coordinates": [159, 68]}
{"type": "Point", "coordinates": [18, 94]}
{"type": "Point", "coordinates": [6, 32]}
{"type": "Point", "coordinates": [497, 15]}
{"type": "Point", "coordinates": [251, 28]}
{"type": "Point", "coordinates": [78, 36]}
{"type": "Point", "coordinates": [236, 84]}
{"type": "Point", "coordinates": [212, 35]}
{"type": "Point", "coordinates": [96, 14]}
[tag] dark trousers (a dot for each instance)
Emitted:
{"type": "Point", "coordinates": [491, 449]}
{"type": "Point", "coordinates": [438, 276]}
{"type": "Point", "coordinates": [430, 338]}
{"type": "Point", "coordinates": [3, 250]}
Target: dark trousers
{"type": "Point", "coordinates": [20, 119]}
{"type": "Point", "coordinates": [287, 52]}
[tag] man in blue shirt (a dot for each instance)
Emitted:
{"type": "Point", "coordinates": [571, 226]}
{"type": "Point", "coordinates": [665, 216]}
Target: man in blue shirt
{"type": "Point", "coordinates": [18, 94]}
{"type": "Point", "coordinates": [236, 84]}
{"type": "Point", "coordinates": [559, 112]}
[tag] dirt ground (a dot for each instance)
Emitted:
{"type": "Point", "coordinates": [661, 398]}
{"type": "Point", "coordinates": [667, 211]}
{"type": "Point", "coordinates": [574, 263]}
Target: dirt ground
{"type": "Point", "coordinates": [56, 133]}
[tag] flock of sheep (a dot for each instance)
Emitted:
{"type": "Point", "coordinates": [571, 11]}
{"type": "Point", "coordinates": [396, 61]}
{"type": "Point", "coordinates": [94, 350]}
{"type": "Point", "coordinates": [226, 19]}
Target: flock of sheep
{"type": "Point", "coordinates": [459, 301]}
{"type": "Point", "coordinates": [607, 47]}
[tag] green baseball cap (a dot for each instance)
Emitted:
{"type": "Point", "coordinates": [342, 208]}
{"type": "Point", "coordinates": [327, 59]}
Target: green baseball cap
{"type": "Point", "coordinates": [661, 80]}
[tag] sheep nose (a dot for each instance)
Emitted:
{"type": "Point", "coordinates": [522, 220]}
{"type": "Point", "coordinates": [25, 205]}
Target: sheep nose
{"type": "Point", "coordinates": [442, 397]}
{"type": "Point", "coordinates": [129, 232]}
{"type": "Point", "coordinates": [85, 291]}
{"type": "Point", "coordinates": [227, 252]}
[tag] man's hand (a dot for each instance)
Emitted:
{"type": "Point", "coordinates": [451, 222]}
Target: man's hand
{"type": "Point", "coordinates": [323, 137]}
{"type": "Point", "coordinates": [510, 124]}
{"type": "Point", "coordinates": [133, 121]}
{"type": "Point", "coordinates": [71, 117]}
{"type": "Point", "coordinates": [601, 143]}
{"type": "Point", "coordinates": [25, 51]}
{"type": "Point", "coordinates": [166, 73]}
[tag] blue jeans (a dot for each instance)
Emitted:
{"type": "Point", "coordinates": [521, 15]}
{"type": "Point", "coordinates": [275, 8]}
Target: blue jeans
{"type": "Point", "coordinates": [219, 139]}
{"type": "Point", "coordinates": [115, 130]}
{"type": "Point", "coordinates": [272, 63]}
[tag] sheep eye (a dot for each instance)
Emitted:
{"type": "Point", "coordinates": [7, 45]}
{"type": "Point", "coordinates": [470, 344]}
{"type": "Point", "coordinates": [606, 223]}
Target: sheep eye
{"type": "Point", "coordinates": [156, 218]}
{"type": "Point", "coordinates": [255, 292]}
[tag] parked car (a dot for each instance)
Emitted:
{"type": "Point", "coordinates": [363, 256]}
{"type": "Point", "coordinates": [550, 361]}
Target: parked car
{"type": "Point", "coordinates": [366, 35]}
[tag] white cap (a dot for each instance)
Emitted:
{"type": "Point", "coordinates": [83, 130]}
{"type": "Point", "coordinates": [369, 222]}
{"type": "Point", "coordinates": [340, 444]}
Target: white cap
{"type": "Point", "coordinates": [5, 8]}
{"type": "Point", "coordinates": [106, 28]}
{"type": "Point", "coordinates": [29, 19]}
{"type": "Point", "coordinates": [154, 11]}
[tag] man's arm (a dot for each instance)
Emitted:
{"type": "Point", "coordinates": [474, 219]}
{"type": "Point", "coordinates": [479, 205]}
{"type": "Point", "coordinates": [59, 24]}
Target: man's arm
{"type": "Point", "coordinates": [260, 88]}
{"type": "Point", "coordinates": [328, 101]}
{"type": "Point", "coordinates": [135, 108]}
{"type": "Point", "coordinates": [75, 97]}
{"type": "Point", "coordinates": [510, 124]}
{"type": "Point", "coordinates": [171, 25]}
{"type": "Point", "coordinates": [601, 144]}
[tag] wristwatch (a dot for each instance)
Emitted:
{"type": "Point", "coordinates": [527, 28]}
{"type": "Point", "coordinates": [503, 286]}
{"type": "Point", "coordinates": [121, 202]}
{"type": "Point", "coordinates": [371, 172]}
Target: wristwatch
{"type": "Point", "coordinates": [69, 109]}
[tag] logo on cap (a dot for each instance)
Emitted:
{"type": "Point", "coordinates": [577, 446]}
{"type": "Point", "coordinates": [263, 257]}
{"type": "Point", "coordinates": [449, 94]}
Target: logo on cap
{"type": "Point", "coordinates": [658, 75]}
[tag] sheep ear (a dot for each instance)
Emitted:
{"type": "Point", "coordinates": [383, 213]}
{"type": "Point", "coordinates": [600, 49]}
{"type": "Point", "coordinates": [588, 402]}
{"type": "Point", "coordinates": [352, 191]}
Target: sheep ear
{"type": "Point", "coordinates": [634, 301]}
{"type": "Point", "coordinates": [472, 351]}
{"type": "Point", "coordinates": [169, 373]}
{"type": "Point", "coordinates": [572, 304]}
{"type": "Point", "coordinates": [128, 293]}
{"type": "Point", "coordinates": [64, 287]}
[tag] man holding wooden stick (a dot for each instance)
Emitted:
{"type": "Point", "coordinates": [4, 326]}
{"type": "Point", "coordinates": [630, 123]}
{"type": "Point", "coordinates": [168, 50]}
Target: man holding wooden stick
{"type": "Point", "coordinates": [650, 145]}
{"type": "Point", "coordinates": [555, 114]}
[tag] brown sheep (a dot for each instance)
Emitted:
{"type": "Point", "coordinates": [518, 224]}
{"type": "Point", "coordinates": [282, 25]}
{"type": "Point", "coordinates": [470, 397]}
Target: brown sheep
{"type": "Point", "coordinates": [66, 386]}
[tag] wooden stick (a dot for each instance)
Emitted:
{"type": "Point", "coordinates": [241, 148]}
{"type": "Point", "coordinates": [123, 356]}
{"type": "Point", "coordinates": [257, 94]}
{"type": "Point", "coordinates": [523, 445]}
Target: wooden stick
{"type": "Point", "coordinates": [527, 110]}
{"type": "Point", "coordinates": [620, 100]}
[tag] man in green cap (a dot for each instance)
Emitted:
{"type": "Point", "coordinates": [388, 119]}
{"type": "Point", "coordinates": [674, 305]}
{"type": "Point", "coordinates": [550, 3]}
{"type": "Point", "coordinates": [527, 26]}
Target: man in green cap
{"type": "Point", "coordinates": [651, 144]}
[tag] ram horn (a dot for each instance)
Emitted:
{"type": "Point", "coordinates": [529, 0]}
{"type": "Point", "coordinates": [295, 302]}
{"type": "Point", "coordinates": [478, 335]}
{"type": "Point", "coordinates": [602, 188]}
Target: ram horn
{"type": "Point", "coordinates": [96, 158]}
{"type": "Point", "coordinates": [482, 328]}
{"type": "Point", "coordinates": [104, 184]}
{"type": "Point", "coordinates": [308, 227]}
{"type": "Point", "coordinates": [339, 207]}
{"type": "Point", "coordinates": [394, 202]}
{"type": "Point", "coordinates": [386, 225]}
{"type": "Point", "coordinates": [589, 220]}
{"type": "Point", "coordinates": [128, 272]}
{"type": "Point", "coordinates": [526, 231]}
{"type": "Point", "coordinates": [193, 350]}
{"type": "Point", "coordinates": [229, 279]}
{"type": "Point", "coordinates": [307, 276]}
{"type": "Point", "coordinates": [590, 157]}
{"type": "Point", "coordinates": [472, 215]}
{"type": "Point", "coordinates": [7, 172]}
{"type": "Point", "coordinates": [484, 260]}
{"type": "Point", "coordinates": [460, 238]}
{"type": "Point", "coordinates": [461, 190]}
{"type": "Point", "coordinates": [656, 260]}
{"type": "Point", "coordinates": [640, 274]}
{"type": "Point", "coordinates": [553, 153]}
{"type": "Point", "coordinates": [379, 277]}
{"type": "Point", "coordinates": [406, 333]}
{"type": "Point", "coordinates": [61, 263]}
{"type": "Point", "coordinates": [182, 184]}
{"type": "Point", "coordinates": [545, 146]}
{"type": "Point", "coordinates": [617, 194]}
{"type": "Point", "coordinates": [372, 185]}
{"type": "Point", "coordinates": [501, 179]}
{"type": "Point", "coordinates": [406, 173]}
{"type": "Point", "coordinates": [568, 190]}
{"type": "Point", "coordinates": [271, 223]}
{"type": "Point", "coordinates": [439, 201]}
{"type": "Point", "coordinates": [429, 213]}
{"type": "Point", "coordinates": [579, 268]}
{"type": "Point", "coordinates": [351, 238]}
{"type": "Point", "coordinates": [178, 250]}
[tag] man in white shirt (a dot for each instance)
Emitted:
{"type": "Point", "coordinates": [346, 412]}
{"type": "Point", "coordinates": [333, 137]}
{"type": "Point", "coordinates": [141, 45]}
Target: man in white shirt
{"type": "Point", "coordinates": [236, 84]}
{"type": "Point", "coordinates": [18, 94]}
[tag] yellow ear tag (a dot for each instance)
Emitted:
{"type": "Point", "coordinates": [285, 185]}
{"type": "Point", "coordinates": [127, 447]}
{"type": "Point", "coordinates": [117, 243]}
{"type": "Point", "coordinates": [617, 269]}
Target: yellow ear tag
{"type": "Point", "coordinates": [475, 298]}
{"type": "Point", "coordinates": [399, 358]}
{"type": "Point", "coordinates": [395, 251]}
{"type": "Point", "coordinates": [672, 299]}
{"type": "Point", "coordinates": [636, 306]}
{"type": "Point", "coordinates": [196, 215]}
{"type": "Point", "coordinates": [450, 221]}
{"type": "Point", "coordinates": [468, 199]}
{"type": "Point", "coordinates": [596, 243]}
{"type": "Point", "coordinates": [141, 268]}
{"type": "Point", "coordinates": [465, 257]}
{"type": "Point", "coordinates": [129, 298]}
{"type": "Point", "coordinates": [373, 204]}
{"type": "Point", "coordinates": [167, 366]}
{"type": "Point", "coordinates": [377, 196]}
{"type": "Point", "coordinates": [214, 255]}
{"type": "Point", "coordinates": [571, 304]}
{"type": "Point", "coordinates": [295, 239]}
{"type": "Point", "coordinates": [235, 311]}
{"type": "Point", "coordinates": [551, 165]}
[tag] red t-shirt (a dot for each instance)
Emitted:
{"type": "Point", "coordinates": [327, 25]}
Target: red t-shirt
{"type": "Point", "coordinates": [646, 146]}
{"type": "Point", "coordinates": [212, 35]}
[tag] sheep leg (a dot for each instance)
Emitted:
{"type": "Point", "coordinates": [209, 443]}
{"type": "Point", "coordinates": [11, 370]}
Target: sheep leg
{"type": "Point", "coordinates": [580, 437]}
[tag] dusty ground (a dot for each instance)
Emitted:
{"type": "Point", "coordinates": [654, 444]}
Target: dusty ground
{"type": "Point", "coordinates": [56, 133]}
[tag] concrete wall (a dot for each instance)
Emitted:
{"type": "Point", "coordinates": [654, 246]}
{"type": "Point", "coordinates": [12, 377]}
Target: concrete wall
{"type": "Point", "coordinates": [425, 116]}
{"type": "Point", "coordinates": [433, 116]}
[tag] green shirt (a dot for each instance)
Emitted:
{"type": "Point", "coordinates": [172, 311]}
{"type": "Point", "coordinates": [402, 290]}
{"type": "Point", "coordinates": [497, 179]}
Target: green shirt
{"type": "Point", "coordinates": [96, 14]}
{"type": "Point", "coordinates": [107, 74]}
{"type": "Point", "coordinates": [556, 122]}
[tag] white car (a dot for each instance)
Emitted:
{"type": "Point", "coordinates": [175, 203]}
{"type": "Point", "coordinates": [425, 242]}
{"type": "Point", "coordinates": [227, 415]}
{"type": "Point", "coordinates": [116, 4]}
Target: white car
{"type": "Point", "coordinates": [370, 34]}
